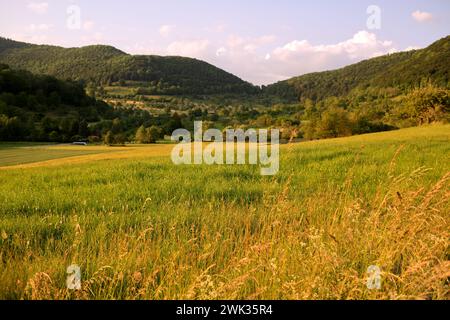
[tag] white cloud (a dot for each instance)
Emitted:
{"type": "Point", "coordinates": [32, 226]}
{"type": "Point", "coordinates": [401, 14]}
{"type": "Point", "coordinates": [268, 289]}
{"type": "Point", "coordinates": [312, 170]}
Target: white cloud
{"type": "Point", "coordinates": [256, 60]}
{"type": "Point", "coordinates": [220, 28]}
{"type": "Point", "coordinates": [363, 44]}
{"type": "Point", "coordinates": [259, 61]}
{"type": "Point", "coordinates": [221, 51]}
{"type": "Point", "coordinates": [192, 49]}
{"type": "Point", "coordinates": [38, 7]}
{"type": "Point", "coordinates": [299, 57]}
{"type": "Point", "coordinates": [166, 30]}
{"type": "Point", "coordinates": [422, 16]}
{"type": "Point", "coordinates": [34, 38]}
{"type": "Point", "coordinates": [88, 25]}
{"type": "Point", "coordinates": [39, 27]}
{"type": "Point", "coordinates": [411, 48]}
{"type": "Point", "coordinates": [249, 44]}
{"type": "Point", "coordinates": [253, 61]}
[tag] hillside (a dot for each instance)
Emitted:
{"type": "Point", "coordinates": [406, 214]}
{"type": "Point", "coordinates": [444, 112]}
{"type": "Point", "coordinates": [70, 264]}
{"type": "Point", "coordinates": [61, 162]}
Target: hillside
{"type": "Point", "coordinates": [394, 91]}
{"type": "Point", "coordinates": [102, 65]}
{"type": "Point", "coordinates": [43, 108]}
{"type": "Point", "coordinates": [155, 75]}
{"type": "Point", "coordinates": [403, 70]}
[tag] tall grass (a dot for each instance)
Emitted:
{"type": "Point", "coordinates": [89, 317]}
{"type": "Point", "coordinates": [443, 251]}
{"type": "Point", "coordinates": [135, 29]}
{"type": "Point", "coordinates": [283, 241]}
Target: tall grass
{"type": "Point", "coordinates": [141, 228]}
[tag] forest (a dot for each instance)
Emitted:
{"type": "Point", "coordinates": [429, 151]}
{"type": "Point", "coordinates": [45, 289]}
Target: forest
{"type": "Point", "coordinates": [105, 65]}
{"type": "Point", "coordinates": [64, 97]}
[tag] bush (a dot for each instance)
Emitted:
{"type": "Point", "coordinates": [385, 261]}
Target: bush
{"type": "Point", "coordinates": [148, 135]}
{"type": "Point", "coordinates": [429, 104]}
{"type": "Point", "coordinates": [94, 139]}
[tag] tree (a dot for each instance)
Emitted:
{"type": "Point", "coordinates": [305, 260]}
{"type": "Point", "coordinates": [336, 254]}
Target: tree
{"type": "Point", "coordinates": [264, 121]}
{"type": "Point", "coordinates": [48, 124]}
{"type": "Point", "coordinates": [148, 135]}
{"type": "Point", "coordinates": [65, 126]}
{"type": "Point", "coordinates": [309, 129]}
{"type": "Point", "coordinates": [54, 136]}
{"type": "Point", "coordinates": [11, 128]}
{"type": "Point", "coordinates": [94, 139]}
{"type": "Point", "coordinates": [3, 107]}
{"type": "Point", "coordinates": [83, 129]}
{"type": "Point", "coordinates": [141, 136]}
{"type": "Point", "coordinates": [108, 139]}
{"type": "Point", "coordinates": [154, 133]}
{"type": "Point", "coordinates": [174, 124]}
{"type": "Point", "coordinates": [119, 139]}
{"type": "Point", "coordinates": [54, 99]}
{"type": "Point", "coordinates": [334, 123]}
{"type": "Point", "coordinates": [116, 126]}
{"type": "Point", "coordinates": [429, 104]}
{"type": "Point", "coordinates": [4, 127]}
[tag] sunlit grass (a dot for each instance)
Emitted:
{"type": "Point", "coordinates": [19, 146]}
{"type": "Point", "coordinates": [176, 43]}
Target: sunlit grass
{"type": "Point", "coordinates": [18, 154]}
{"type": "Point", "coordinates": [142, 228]}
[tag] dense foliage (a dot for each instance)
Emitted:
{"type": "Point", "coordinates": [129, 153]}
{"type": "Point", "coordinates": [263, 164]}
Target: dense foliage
{"type": "Point", "coordinates": [148, 97]}
{"type": "Point", "coordinates": [393, 91]}
{"type": "Point", "coordinates": [102, 65]}
{"type": "Point", "coordinates": [43, 108]}
{"type": "Point", "coordinates": [402, 71]}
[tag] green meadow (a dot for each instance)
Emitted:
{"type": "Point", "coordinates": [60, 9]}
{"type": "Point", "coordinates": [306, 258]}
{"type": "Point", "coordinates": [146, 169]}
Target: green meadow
{"type": "Point", "coordinates": [140, 227]}
{"type": "Point", "coordinates": [22, 153]}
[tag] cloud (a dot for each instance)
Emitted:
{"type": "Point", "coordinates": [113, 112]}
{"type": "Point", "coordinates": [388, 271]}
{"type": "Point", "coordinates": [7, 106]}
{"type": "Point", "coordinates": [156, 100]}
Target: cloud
{"type": "Point", "coordinates": [220, 27]}
{"type": "Point", "coordinates": [300, 56]}
{"type": "Point", "coordinates": [31, 38]}
{"type": "Point", "coordinates": [362, 44]}
{"type": "Point", "coordinates": [88, 25]}
{"type": "Point", "coordinates": [249, 44]}
{"type": "Point", "coordinates": [221, 51]}
{"type": "Point", "coordinates": [257, 59]}
{"type": "Point", "coordinates": [192, 49]}
{"type": "Point", "coordinates": [39, 27]}
{"type": "Point", "coordinates": [166, 30]}
{"type": "Point", "coordinates": [411, 48]}
{"type": "Point", "coordinates": [38, 7]}
{"type": "Point", "coordinates": [422, 16]}
{"type": "Point", "coordinates": [261, 60]}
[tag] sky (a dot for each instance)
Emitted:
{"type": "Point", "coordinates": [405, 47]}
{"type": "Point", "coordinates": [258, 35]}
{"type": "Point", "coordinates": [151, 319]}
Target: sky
{"type": "Point", "coordinates": [260, 41]}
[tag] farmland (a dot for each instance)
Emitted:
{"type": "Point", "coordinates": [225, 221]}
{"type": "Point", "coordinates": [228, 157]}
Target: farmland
{"type": "Point", "coordinates": [140, 227]}
{"type": "Point", "coordinates": [16, 154]}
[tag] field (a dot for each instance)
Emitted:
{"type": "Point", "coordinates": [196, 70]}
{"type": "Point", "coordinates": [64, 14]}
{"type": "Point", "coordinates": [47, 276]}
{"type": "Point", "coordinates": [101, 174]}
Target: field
{"type": "Point", "coordinates": [141, 228]}
{"type": "Point", "coordinates": [17, 154]}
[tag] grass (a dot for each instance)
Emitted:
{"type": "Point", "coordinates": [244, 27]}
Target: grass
{"type": "Point", "coordinates": [120, 91]}
{"type": "Point", "coordinates": [141, 228]}
{"type": "Point", "coordinates": [13, 154]}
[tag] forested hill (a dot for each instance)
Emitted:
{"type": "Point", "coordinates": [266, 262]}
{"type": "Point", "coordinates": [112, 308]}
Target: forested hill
{"type": "Point", "coordinates": [403, 70]}
{"type": "Point", "coordinates": [103, 65]}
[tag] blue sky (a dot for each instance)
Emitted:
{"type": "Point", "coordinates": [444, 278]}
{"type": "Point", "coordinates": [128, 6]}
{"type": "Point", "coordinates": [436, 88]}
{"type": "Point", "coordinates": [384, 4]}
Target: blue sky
{"type": "Point", "coordinates": [260, 41]}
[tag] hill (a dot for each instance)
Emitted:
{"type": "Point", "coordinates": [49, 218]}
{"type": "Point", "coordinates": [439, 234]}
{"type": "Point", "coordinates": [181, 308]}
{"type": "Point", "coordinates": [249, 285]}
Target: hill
{"type": "Point", "coordinates": [39, 107]}
{"type": "Point", "coordinates": [394, 91]}
{"type": "Point", "coordinates": [102, 65]}
{"type": "Point", "coordinates": [44, 108]}
{"type": "Point", "coordinates": [404, 71]}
